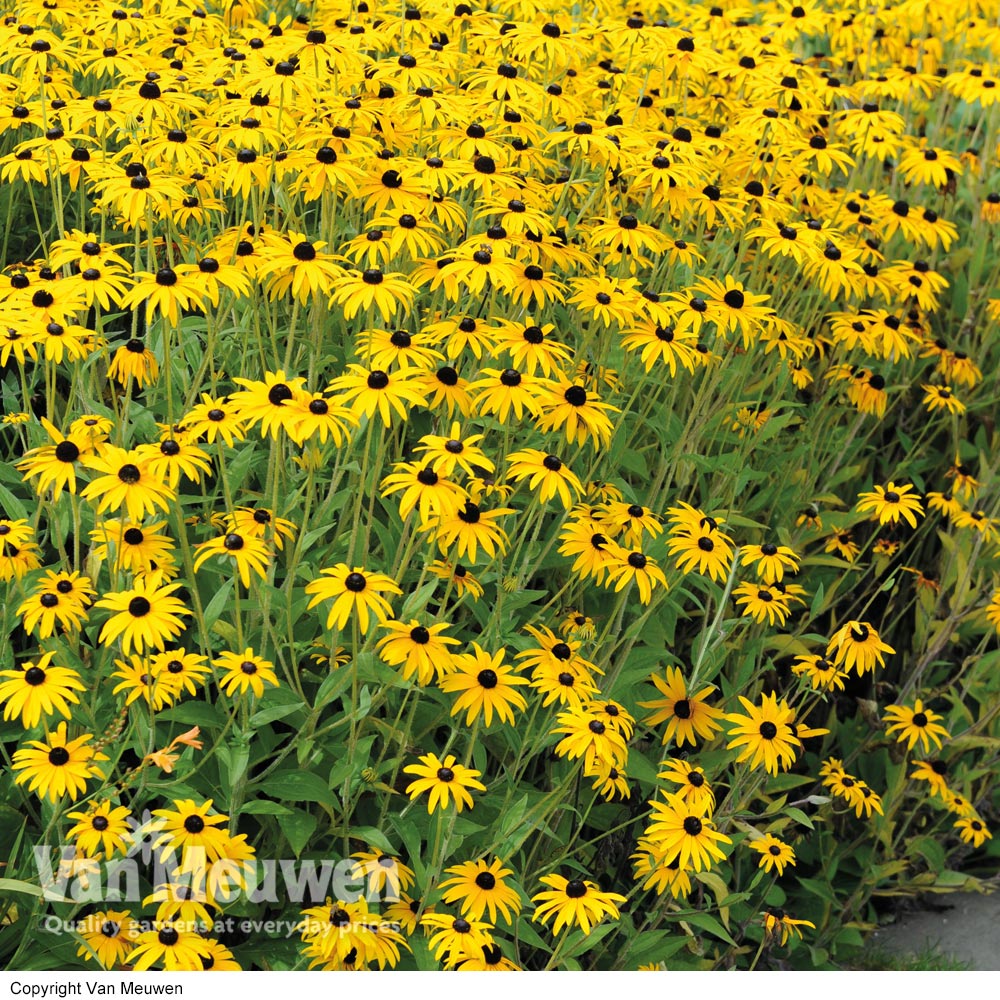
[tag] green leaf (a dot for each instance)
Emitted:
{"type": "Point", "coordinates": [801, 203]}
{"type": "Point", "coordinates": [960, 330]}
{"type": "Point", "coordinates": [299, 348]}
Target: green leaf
{"type": "Point", "coordinates": [334, 684]}
{"type": "Point", "coordinates": [589, 941]}
{"type": "Point", "coordinates": [16, 885]}
{"type": "Point", "coordinates": [193, 713]}
{"type": "Point", "coordinates": [799, 816]}
{"type": "Point", "coordinates": [417, 601]}
{"type": "Point", "coordinates": [819, 889]}
{"type": "Point", "coordinates": [375, 837]}
{"type": "Point", "coordinates": [264, 807]}
{"type": "Point", "coordinates": [706, 922]}
{"type": "Point", "coordinates": [298, 828]}
{"type": "Point", "coordinates": [273, 713]}
{"type": "Point", "coordinates": [929, 849]}
{"type": "Point", "coordinates": [297, 786]}
{"type": "Point", "coordinates": [817, 602]}
{"type": "Point", "coordinates": [14, 508]}
{"type": "Point", "coordinates": [784, 782]}
{"type": "Point", "coordinates": [213, 610]}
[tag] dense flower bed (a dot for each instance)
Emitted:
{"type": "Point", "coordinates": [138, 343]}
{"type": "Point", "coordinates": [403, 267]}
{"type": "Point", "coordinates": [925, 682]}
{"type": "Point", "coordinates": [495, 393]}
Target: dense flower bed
{"type": "Point", "coordinates": [531, 464]}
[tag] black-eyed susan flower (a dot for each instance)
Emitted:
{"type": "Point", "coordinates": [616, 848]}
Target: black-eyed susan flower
{"type": "Point", "coordinates": [260, 522]}
{"type": "Point", "coordinates": [57, 766]}
{"type": "Point", "coordinates": [44, 609]}
{"type": "Point", "coordinates": [842, 543]}
{"type": "Point", "coordinates": [576, 625]}
{"type": "Point", "coordinates": [266, 402]}
{"type": "Point", "coordinates": [779, 926]}
{"type": "Point", "coordinates": [244, 672]}
{"type": "Point", "coordinates": [490, 959]}
{"type": "Point", "coordinates": [688, 717]}
{"type": "Point", "coordinates": [775, 854]}
{"type": "Point", "coordinates": [383, 874]}
{"type": "Point", "coordinates": [508, 391]}
{"type": "Point", "coordinates": [587, 735]}
{"type": "Point", "coordinates": [352, 591]}
{"type": "Point", "coordinates": [889, 504]}
{"type": "Point", "coordinates": [587, 540]}
{"type": "Point", "coordinates": [973, 831]}
{"type": "Point", "coordinates": [624, 566]}
{"type": "Point", "coordinates": [555, 654]}
{"type": "Point", "coordinates": [610, 781]}
{"type": "Point", "coordinates": [177, 456]}
{"type": "Point", "coordinates": [39, 689]}
{"type": "Point", "coordinates": [339, 932]}
{"type": "Point", "coordinates": [126, 481]}
{"type": "Point", "coordinates": [576, 411]}
{"type": "Point", "coordinates": [183, 901]}
{"type": "Point", "coordinates": [218, 958]}
{"type": "Point", "coordinates": [446, 453]}
{"type": "Point", "coordinates": [134, 362]}
{"type": "Point", "coordinates": [614, 714]}
{"type": "Point", "coordinates": [403, 912]}
{"type": "Point", "coordinates": [453, 937]}
{"type": "Point", "coordinates": [470, 529]}
{"type": "Point", "coordinates": [978, 521]}
{"type": "Point", "coordinates": [190, 827]}
{"type": "Point", "coordinates": [460, 577]}
{"type": "Point", "coordinates": [137, 679]}
{"type": "Point", "coordinates": [653, 871]}
{"type": "Point", "coordinates": [443, 779]}
{"type": "Point", "coordinates": [102, 830]}
{"type": "Point", "coordinates": [822, 674]}
{"type": "Point", "coordinates": [692, 784]}
{"type": "Point", "coordinates": [769, 560]}
{"type": "Point", "coordinates": [857, 646]}
{"type": "Point", "coordinates": [703, 548]}
{"type": "Point", "coordinates": [419, 650]}
{"type": "Point", "coordinates": [531, 347]}
{"type": "Point", "coordinates": [765, 735]}
{"type": "Point", "coordinates": [913, 725]}
{"type": "Point", "coordinates": [389, 293]}
{"type": "Point", "coordinates": [108, 935]}
{"type": "Point", "coordinates": [170, 944]}
{"type": "Point", "coordinates": [574, 903]}
{"type": "Point", "coordinates": [683, 830]}
{"type": "Point", "coordinates": [935, 773]}
{"type": "Point", "coordinates": [249, 553]}
{"type": "Point", "coordinates": [293, 263]}
{"type": "Point", "coordinates": [546, 474]}
{"type": "Point", "coordinates": [137, 548]}
{"type": "Point", "coordinates": [662, 345]}
{"type": "Point", "coordinates": [216, 419]}
{"type": "Point", "coordinates": [478, 886]}
{"type": "Point", "coordinates": [146, 616]}
{"type": "Point", "coordinates": [958, 804]}
{"type": "Point", "coordinates": [366, 393]}
{"type": "Point", "coordinates": [762, 602]}
{"type": "Point", "coordinates": [485, 685]}
{"type": "Point", "coordinates": [55, 465]}
{"type": "Point", "coordinates": [424, 490]}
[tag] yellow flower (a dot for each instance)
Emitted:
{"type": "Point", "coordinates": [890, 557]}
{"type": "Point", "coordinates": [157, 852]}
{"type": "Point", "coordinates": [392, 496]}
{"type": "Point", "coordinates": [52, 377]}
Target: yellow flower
{"type": "Point", "coordinates": [574, 903]}
{"type": "Point", "coordinates": [915, 724]}
{"type": "Point", "coordinates": [443, 778]}
{"type": "Point", "coordinates": [775, 854]}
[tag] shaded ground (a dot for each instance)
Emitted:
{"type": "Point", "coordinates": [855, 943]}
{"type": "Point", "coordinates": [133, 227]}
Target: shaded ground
{"type": "Point", "coordinates": [968, 931]}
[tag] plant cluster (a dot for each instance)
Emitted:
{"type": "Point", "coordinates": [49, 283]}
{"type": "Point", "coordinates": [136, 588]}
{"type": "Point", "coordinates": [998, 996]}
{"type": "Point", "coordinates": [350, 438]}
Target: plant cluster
{"type": "Point", "coordinates": [539, 455]}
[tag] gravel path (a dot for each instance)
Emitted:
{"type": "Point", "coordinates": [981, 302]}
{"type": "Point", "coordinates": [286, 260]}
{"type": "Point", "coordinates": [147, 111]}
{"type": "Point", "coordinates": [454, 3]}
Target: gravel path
{"type": "Point", "coordinates": [969, 931]}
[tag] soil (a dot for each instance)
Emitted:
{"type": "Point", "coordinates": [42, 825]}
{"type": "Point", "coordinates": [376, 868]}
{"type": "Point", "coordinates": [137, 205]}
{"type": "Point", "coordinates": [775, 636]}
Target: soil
{"type": "Point", "coordinates": [966, 927]}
